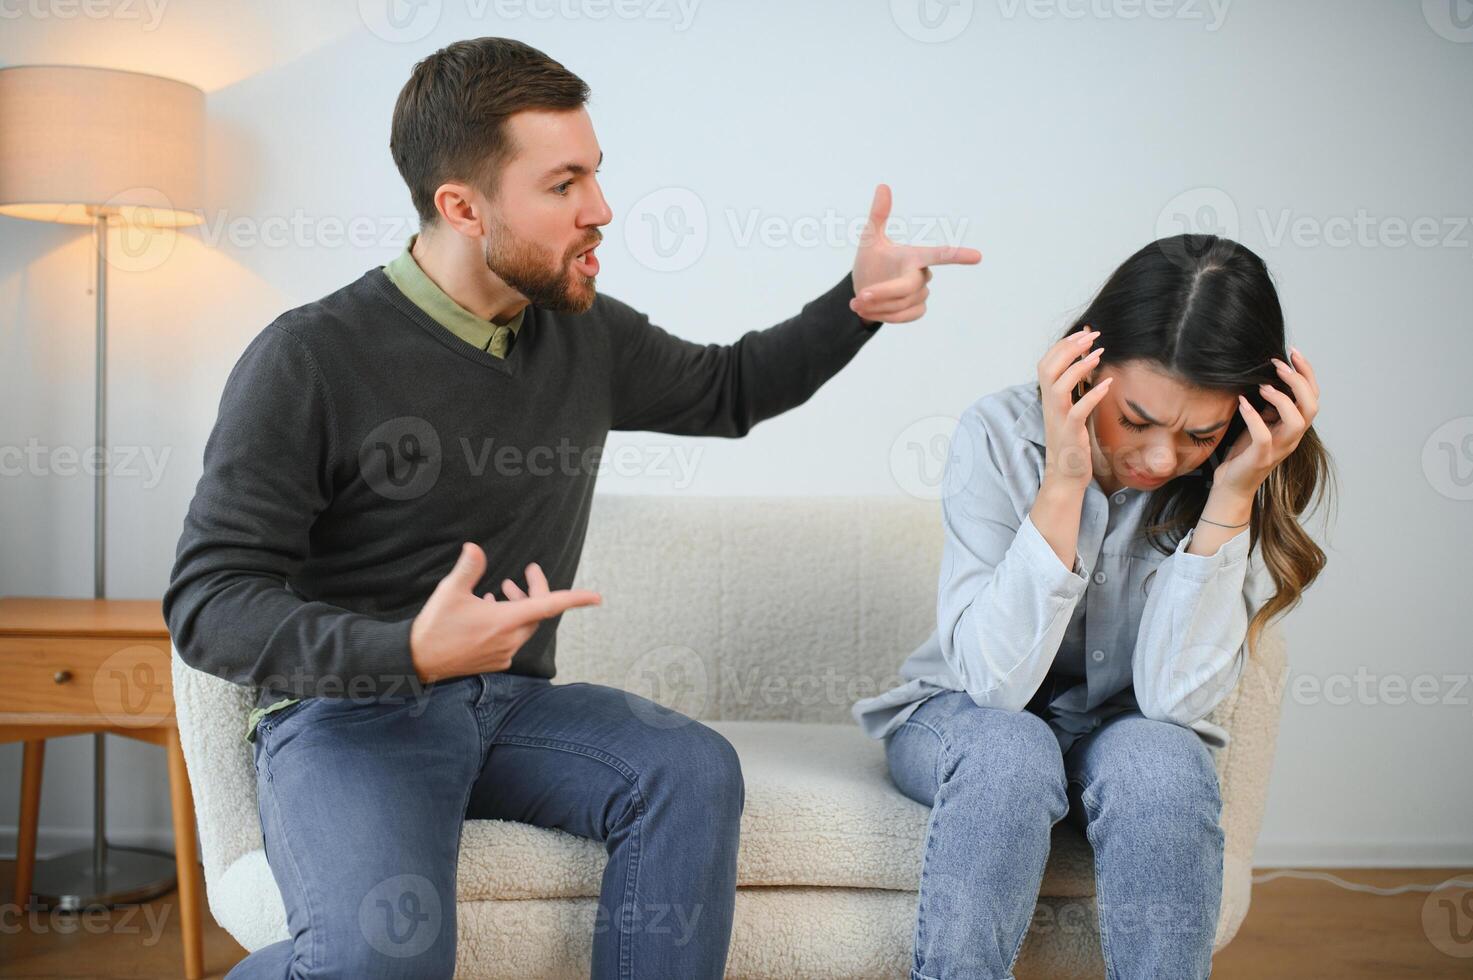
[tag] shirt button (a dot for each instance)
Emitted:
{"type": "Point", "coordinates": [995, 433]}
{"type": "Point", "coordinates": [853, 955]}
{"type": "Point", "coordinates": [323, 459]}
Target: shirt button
{"type": "Point", "coordinates": [1098, 655]}
{"type": "Point", "coordinates": [1120, 498]}
{"type": "Point", "coordinates": [1099, 578]}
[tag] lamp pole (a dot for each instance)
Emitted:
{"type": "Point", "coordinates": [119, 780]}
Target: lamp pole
{"type": "Point", "coordinates": [103, 876]}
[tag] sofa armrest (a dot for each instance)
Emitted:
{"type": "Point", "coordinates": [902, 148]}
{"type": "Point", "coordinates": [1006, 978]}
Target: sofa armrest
{"type": "Point", "coordinates": [1251, 716]}
{"type": "Point", "coordinates": [212, 714]}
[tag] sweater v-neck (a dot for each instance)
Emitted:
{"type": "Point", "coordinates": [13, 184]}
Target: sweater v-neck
{"type": "Point", "coordinates": [405, 273]}
{"type": "Point", "coordinates": [507, 365]}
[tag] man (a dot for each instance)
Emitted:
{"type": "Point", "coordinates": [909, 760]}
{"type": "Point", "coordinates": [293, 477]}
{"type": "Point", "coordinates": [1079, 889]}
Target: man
{"type": "Point", "coordinates": [386, 454]}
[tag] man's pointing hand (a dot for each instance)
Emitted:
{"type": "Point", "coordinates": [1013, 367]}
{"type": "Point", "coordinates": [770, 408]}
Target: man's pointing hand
{"type": "Point", "coordinates": [890, 278]}
{"type": "Point", "coordinates": [458, 633]}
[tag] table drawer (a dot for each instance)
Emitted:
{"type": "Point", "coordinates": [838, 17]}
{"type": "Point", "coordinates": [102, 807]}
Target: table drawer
{"type": "Point", "coordinates": [123, 680]}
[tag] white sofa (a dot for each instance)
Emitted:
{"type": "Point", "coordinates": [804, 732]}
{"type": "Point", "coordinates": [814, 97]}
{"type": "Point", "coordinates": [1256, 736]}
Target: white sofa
{"type": "Point", "coordinates": [765, 618]}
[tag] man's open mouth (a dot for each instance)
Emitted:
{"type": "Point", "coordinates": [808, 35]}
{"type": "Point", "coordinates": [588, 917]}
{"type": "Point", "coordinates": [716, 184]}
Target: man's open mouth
{"type": "Point", "coordinates": [586, 262]}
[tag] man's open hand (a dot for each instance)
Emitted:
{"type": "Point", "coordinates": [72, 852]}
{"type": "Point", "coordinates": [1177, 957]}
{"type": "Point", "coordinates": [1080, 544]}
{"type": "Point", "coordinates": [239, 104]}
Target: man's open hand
{"type": "Point", "coordinates": [889, 278]}
{"type": "Point", "coordinates": [459, 633]}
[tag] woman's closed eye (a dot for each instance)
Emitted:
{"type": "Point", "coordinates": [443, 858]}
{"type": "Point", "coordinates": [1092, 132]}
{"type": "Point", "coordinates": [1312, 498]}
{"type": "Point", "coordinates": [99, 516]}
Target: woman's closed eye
{"type": "Point", "coordinates": [1141, 427]}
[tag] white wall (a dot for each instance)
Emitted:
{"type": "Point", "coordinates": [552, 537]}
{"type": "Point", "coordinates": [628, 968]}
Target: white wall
{"type": "Point", "coordinates": [1056, 137]}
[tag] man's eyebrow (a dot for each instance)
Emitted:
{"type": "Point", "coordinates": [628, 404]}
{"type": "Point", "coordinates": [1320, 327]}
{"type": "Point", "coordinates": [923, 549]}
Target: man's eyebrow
{"type": "Point", "coordinates": [576, 169]}
{"type": "Point", "coordinates": [1196, 432]}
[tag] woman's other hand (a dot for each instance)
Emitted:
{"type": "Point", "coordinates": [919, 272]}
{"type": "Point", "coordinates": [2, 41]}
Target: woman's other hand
{"type": "Point", "coordinates": [1067, 463]}
{"type": "Point", "coordinates": [1266, 442]}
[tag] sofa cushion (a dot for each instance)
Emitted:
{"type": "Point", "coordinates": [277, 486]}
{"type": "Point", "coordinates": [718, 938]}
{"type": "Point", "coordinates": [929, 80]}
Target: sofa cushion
{"type": "Point", "coordinates": [820, 811]}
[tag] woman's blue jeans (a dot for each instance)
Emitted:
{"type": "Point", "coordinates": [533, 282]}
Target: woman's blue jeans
{"type": "Point", "coordinates": [1145, 793]}
{"type": "Point", "coordinates": [362, 804]}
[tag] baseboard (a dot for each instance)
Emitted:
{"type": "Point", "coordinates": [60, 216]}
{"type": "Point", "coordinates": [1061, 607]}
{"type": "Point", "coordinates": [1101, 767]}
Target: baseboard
{"type": "Point", "coordinates": [50, 843]}
{"type": "Point", "coordinates": [1364, 854]}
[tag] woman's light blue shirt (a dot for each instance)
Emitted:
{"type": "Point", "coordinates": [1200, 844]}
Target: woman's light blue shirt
{"type": "Point", "coordinates": [1127, 628]}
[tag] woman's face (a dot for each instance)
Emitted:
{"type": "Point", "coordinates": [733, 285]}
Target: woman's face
{"type": "Point", "coordinates": [1150, 428]}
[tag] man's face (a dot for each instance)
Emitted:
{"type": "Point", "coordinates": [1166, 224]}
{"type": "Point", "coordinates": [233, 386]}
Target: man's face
{"type": "Point", "coordinates": [544, 220]}
{"type": "Point", "coordinates": [542, 224]}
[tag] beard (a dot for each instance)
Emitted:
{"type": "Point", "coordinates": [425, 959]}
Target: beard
{"type": "Point", "coordinates": [548, 282]}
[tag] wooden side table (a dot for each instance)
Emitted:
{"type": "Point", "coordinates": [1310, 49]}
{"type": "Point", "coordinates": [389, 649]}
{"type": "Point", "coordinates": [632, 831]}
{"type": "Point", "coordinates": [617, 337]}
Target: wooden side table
{"type": "Point", "coordinates": [77, 666]}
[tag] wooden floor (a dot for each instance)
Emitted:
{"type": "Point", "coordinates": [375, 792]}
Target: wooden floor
{"type": "Point", "coordinates": [1295, 928]}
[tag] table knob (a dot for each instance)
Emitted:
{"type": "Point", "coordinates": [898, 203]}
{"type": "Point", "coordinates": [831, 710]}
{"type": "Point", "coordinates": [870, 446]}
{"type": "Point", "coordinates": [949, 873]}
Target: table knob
{"type": "Point", "coordinates": [62, 676]}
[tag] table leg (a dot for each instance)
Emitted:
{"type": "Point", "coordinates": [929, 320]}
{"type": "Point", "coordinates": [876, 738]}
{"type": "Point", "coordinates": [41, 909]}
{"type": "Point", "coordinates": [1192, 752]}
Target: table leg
{"type": "Point", "coordinates": [186, 855]}
{"type": "Point", "coordinates": [33, 758]}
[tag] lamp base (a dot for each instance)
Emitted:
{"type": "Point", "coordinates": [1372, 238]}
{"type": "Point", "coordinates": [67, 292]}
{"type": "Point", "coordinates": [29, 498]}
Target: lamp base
{"type": "Point", "coordinates": [130, 875]}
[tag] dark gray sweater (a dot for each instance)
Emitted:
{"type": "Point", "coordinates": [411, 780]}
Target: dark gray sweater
{"type": "Point", "coordinates": [359, 443]}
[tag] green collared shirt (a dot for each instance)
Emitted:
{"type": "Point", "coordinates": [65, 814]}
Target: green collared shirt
{"type": "Point", "coordinates": [495, 339]}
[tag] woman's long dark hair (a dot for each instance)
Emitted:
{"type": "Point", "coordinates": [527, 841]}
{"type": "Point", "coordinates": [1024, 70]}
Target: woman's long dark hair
{"type": "Point", "coordinates": [1204, 310]}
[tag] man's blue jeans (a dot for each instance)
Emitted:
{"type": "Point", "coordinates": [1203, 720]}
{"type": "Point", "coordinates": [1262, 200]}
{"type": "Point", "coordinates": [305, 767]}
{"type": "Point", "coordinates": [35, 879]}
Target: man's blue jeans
{"type": "Point", "coordinates": [362, 804]}
{"type": "Point", "coordinates": [1144, 792]}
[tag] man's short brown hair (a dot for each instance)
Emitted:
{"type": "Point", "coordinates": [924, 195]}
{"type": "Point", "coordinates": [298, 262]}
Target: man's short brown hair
{"type": "Point", "coordinates": [450, 118]}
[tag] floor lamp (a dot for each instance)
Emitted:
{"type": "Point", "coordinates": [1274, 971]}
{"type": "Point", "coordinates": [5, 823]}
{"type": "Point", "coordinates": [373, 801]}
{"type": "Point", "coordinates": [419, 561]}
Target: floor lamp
{"type": "Point", "coordinates": [100, 147]}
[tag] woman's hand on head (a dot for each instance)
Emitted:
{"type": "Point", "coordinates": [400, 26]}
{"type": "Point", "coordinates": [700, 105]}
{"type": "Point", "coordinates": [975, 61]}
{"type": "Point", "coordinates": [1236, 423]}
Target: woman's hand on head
{"type": "Point", "coordinates": [1068, 462]}
{"type": "Point", "coordinates": [1266, 443]}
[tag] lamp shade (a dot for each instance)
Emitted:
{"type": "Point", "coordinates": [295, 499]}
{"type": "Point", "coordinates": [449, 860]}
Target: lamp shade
{"type": "Point", "coordinates": [75, 141]}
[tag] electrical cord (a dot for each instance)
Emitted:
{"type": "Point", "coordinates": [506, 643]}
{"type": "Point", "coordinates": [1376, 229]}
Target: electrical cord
{"type": "Point", "coordinates": [1356, 886]}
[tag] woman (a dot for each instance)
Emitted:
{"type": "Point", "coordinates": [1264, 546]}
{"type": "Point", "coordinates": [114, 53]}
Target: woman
{"type": "Point", "coordinates": [1113, 536]}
